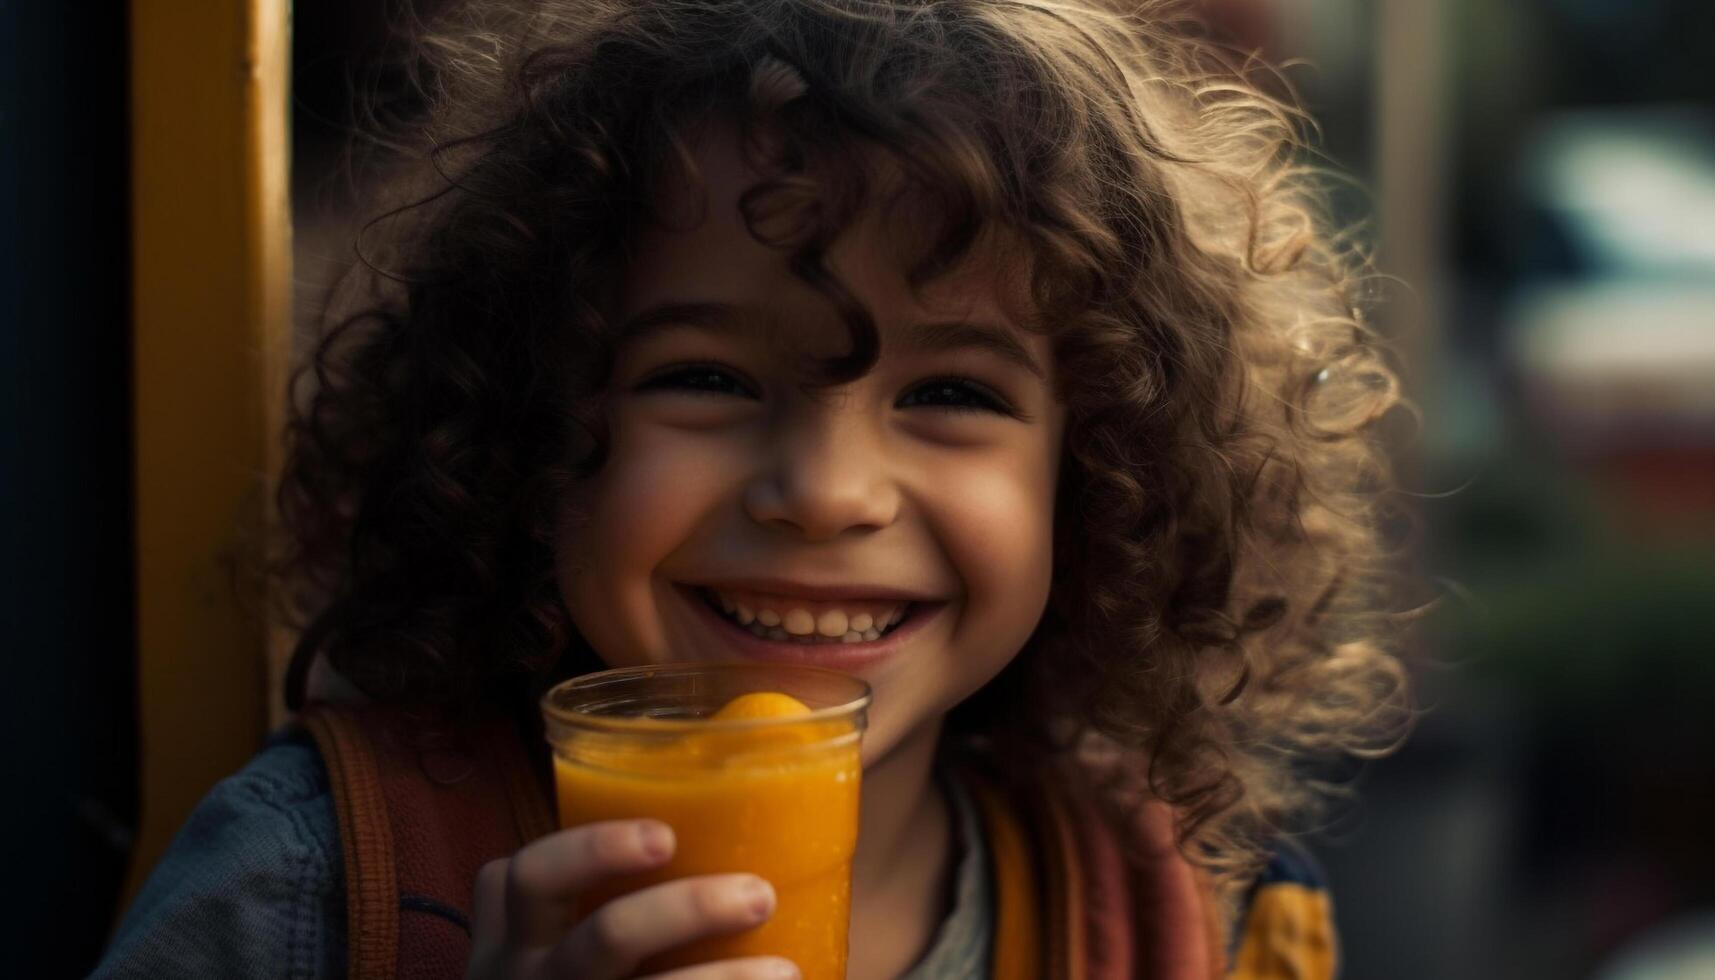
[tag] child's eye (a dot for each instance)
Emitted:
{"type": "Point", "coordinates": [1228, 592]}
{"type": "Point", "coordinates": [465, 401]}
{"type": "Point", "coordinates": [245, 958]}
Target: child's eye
{"type": "Point", "coordinates": [702, 378]}
{"type": "Point", "coordinates": [956, 395]}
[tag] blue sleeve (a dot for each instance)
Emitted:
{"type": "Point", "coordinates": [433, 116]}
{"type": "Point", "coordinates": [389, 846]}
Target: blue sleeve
{"type": "Point", "coordinates": [252, 886]}
{"type": "Point", "coordinates": [1292, 863]}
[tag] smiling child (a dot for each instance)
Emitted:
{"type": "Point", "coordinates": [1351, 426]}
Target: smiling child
{"type": "Point", "coordinates": [990, 350]}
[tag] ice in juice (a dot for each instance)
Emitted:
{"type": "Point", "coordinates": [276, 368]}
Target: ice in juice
{"type": "Point", "coordinates": [778, 799]}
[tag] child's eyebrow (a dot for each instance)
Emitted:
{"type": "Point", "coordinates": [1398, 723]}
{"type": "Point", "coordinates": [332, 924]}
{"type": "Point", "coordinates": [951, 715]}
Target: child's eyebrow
{"type": "Point", "coordinates": [958, 334]}
{"type": "Point", "coordinates": [728, 318]}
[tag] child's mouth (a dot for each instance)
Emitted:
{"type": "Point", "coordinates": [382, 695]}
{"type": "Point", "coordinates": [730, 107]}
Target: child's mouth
{"type": "Point", "coordinates": [808, 624]}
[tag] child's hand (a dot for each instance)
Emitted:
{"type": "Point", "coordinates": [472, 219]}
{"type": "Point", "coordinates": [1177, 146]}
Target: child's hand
{"type": "Point", "coordinates": [524, 903]}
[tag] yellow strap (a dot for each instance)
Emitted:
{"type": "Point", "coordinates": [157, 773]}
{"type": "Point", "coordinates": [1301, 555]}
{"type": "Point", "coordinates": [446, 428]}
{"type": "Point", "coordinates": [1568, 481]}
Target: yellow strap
{"type": "Point", "coordinates": [1289, 935]}
{"type": "Point", "coordinates": [1017, 931]}
{"type": "Point", "coordinates": [1064, 890]}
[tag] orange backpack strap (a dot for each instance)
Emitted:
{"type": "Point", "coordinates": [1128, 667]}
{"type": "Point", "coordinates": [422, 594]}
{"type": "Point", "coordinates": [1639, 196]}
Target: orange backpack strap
{"type": "Point", "coordinates": [1061, 905]}
{"type": "Point", "coordinates": [1109, 947]}
{"type": "Point", "coordinates": [1017, 952]}
{"type": "Point", "coordinates": [1069, 904]}
{"type": "Point", "coordinates": [366, 839]}
{"type": "Point", "coordinates": [1179, 924]}
{"type": "Point", "coordinates": [421, 806]}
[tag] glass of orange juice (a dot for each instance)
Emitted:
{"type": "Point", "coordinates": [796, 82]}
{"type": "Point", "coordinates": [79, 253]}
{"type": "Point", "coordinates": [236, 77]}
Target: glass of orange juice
{"type": "Point", "coordinates": [754, 766]}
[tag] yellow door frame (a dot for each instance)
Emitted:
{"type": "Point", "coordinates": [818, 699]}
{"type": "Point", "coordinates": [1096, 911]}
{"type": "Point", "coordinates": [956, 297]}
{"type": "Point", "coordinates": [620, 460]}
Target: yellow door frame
{"type": "Point", "coordinates": [211, 238]}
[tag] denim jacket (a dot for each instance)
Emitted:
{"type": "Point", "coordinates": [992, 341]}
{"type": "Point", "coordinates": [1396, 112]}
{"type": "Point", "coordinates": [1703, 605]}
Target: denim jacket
{"type": "Point", "coordinates": [252, 886]}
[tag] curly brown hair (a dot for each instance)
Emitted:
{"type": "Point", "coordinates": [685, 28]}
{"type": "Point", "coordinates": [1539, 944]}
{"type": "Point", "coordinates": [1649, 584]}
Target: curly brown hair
{"type": "Point", "coordinates": [1218, 622]}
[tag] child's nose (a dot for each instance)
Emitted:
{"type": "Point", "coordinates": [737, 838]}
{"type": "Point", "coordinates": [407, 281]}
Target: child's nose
{"type": "Point", "coordinates": [822, 480]}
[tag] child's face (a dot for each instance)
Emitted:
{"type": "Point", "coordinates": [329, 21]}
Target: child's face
{"type": "Point", "coordinates": [725, 474]}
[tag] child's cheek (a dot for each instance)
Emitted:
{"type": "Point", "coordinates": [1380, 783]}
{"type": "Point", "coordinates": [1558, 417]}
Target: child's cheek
{"type": "Point", "coordinates": [621, 526]}
{"type": "Point", "coordinates": [998, 531]}
{"type": "Point", "coordinates": [1009, 551]}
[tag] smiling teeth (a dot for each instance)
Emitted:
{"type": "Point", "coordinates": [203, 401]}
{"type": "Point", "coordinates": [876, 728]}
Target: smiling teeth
{"type": "Point", "coordinates": [832, 623]}
{"type": "Point", "coordinates": [799, 622]}
{"type": "Point", "coordinates": [854, 621]}
{"type": "Point", "coordinates": [849, 636]}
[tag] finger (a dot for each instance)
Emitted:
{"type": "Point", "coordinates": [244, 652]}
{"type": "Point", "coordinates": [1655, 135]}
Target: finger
{"type": "Point", "coordinates": [545, 877]}
{"type": "Point", "coordinates": [488, 904]}
{"type": "Point", "coordinates": [754, 968]}
{"type": "Point", "coordinates": [616, 937]}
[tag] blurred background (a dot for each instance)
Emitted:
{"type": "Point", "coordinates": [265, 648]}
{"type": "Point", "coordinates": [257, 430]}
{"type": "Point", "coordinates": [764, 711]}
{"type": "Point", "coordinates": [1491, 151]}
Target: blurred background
{"type": "Point", "coordinates": [1539, 175]}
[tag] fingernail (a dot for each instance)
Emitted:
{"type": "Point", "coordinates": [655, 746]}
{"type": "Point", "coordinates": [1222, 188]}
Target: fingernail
{"type": "Point", "coordinates": [758, 897]}
{"type": "Point", "coordinates": [781, 970]}
{"type": "Point", "coordinates": [657, 838]}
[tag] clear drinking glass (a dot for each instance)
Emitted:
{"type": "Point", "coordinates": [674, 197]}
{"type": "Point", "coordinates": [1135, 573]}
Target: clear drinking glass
{"type": "Point", "coordinates": [775, 796]}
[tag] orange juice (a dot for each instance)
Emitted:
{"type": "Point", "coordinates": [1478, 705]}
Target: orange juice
{"type": "Point", "coordinates": [765, 786]}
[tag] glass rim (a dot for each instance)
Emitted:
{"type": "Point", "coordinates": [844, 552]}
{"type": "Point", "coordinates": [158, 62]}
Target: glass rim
{"type": "Point", "coordinates": [669, 726]}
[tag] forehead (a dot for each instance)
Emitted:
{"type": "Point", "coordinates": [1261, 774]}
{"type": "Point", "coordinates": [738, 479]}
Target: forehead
{"type": "Point", "coordinates": [704, 250]}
